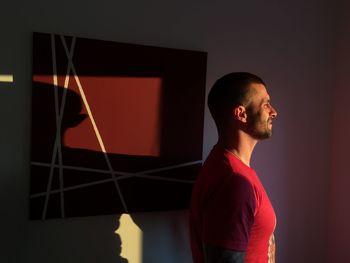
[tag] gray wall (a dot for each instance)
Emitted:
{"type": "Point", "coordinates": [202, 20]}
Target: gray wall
{"type": "Point", "coordinates": [339, 216]}
{"type": "Point", "coordinates": [291, 44]}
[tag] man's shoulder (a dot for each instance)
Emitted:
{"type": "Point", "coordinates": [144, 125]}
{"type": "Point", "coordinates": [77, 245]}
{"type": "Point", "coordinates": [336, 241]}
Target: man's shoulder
{"type": "Point", "coordinates": [216, 163]}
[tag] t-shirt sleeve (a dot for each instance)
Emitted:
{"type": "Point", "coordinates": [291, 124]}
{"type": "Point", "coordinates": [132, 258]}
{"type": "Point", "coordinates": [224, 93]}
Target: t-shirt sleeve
{"type": "Point", "coordinates": [229, 214]}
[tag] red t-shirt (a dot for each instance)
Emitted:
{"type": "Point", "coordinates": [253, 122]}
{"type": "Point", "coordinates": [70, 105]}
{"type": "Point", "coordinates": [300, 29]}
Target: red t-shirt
{"type": "Point", "coordinates": [230, 209]}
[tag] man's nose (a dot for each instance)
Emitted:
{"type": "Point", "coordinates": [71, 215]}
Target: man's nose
{"type": "Point", "coordinates": [273, 112]}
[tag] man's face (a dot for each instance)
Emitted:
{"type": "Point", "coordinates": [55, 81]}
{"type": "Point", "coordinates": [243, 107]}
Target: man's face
{"type": "Point", "coordinates": [260, 113]}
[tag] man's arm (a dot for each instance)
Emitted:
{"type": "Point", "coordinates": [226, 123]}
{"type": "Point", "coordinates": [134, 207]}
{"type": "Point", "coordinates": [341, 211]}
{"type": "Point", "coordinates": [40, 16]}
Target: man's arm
{"type": "Point", "coordinates": [213, 254]}
{"type": "Point", "coordinates": [228, 221]}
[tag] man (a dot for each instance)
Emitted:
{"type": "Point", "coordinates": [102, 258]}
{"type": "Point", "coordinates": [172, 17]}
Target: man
{"type": "Point", "coordinates": [231, 217]}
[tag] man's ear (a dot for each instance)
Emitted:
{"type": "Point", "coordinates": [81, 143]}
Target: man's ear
{"type": "Point", "coordinates": [240, 113]}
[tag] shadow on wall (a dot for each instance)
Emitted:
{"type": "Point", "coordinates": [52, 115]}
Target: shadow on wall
{"type": "Point", "coordinates": [124, 136]}
{"type": "Point", "coordinates": [99, 244]}
{"type": "Point", "coordinates": [74, 182]}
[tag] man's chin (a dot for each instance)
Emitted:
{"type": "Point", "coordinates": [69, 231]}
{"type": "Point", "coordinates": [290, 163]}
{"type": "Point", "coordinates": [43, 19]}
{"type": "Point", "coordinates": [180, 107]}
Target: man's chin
{"type": "Point", "coordinates": [263, 135]}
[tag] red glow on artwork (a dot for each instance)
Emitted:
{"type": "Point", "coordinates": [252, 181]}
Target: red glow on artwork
{"type": "Point", "coordinates": [126, 111]}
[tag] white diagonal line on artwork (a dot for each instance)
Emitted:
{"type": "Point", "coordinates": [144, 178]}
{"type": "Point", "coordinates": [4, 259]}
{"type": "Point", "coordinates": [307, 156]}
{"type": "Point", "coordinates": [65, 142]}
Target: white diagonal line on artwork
{"type": "Point", "coordinates": [54, 153]}
{"type": "Point", "coordinates": [171, 167]}
{"type": "Point", "coordinates": [63, 103]}
{"type": "Point", "coordinates": [97, 133]}
{"type": "Point", "coordinates": [83, 169]}
{"type": "Point", "coordinates": [75, 187]}
{"type": "Point", "coordinates": [160, 169]}
{"type": "Point", "coordinates": [59, 111]}
{"type": "Point", "coordinates": [158, 178]}
{"type": "Point", "coordinates": [126, 175]}
{"type": "Point", "coordinates": [58, 127]}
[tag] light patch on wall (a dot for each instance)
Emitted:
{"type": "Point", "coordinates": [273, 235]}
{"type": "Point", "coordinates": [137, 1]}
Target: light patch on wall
{"type": "Point", "coordinates": [6, 78]}
{"type": "Point", "coordinates": [131, 239]}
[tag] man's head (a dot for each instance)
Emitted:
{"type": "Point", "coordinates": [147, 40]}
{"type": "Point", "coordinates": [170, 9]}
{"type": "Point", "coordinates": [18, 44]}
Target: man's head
{"type": "Point", "coordinates": [240, 100]}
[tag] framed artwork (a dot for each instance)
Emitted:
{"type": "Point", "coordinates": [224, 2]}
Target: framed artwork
{"type": "Point", "coordinates": [116, 128]}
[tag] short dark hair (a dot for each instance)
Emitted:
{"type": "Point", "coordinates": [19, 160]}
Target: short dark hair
{"type": "Point", "coordinates": [228, 92]}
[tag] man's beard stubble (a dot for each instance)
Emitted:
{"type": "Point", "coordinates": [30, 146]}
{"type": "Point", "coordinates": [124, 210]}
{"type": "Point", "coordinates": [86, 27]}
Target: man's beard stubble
{"type": "Point", "coordinates": [258, 128]}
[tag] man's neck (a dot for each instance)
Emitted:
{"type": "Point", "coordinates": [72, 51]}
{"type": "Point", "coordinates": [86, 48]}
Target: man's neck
{"type": "Point", "coordinates": [240, 144]}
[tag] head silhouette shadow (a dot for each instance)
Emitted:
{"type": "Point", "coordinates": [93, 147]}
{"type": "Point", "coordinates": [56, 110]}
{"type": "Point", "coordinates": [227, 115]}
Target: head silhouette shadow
{"type": "Point", "coordinates": [104, 244]}
{"type": "Point", "coordinates": [89, 188]}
